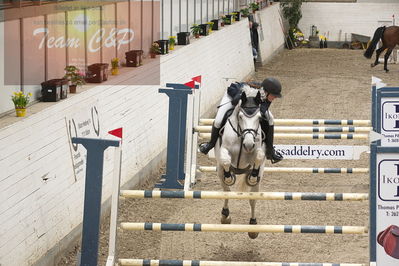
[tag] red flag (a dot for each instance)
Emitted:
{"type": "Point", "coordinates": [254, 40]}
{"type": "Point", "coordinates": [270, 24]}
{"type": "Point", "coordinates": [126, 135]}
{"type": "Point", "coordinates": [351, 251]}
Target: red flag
{"type": "Point", "coordinates": [190, 84]}
{"type": "Point", "coordinates": [116, 132]}
{"type": "Point", "coordinates": [197, 79]}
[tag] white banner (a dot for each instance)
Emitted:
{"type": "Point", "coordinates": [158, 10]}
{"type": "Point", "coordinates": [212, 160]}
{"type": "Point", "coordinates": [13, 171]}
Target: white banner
{"type": "Point", "coordinates": [321, 152]}
{"type": "Point", "coordinates": [387, 208]}
{"type": "Point", "coordinates": [82, 123]}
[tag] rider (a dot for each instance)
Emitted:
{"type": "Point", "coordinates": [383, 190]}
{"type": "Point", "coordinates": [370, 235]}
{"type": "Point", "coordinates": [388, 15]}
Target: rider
{"type": "Point", "coordinates": [271, 90]}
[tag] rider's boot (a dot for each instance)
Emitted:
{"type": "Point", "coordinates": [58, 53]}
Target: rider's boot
{"type": "Point", "coordinates": [271, 154]}
{"type": "Point", "coordinates": [207, 146]}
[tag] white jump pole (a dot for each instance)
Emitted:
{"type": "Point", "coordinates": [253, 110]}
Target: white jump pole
{"type": "Point", "coordinates": [300, 170]}
{"type": "Point", "coordinates": [114, 206]}
{"type": "Point", "coordinates": [141, 262]}
{"type": "Point", "coordinates": [307, 122]}
{"type": "Point", "coordinates": [306, 136]}
{"type": "Point", "coordinates": [313, 196]}
{"type": "Point", "coordinates": [300, 129]}
{"type": "Point", "coordinates": [193, 112]}
{"type": "Point", "coordinates": [242, 228]}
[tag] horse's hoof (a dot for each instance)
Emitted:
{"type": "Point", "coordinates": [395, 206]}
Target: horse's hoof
{"type": "Point", "coordinates": [253, 235]}
{"type": "Point", "coordinates": [372, 65]}
{"type": "Point", "coordinates": [386, 70]}
{"type": "Point", "coordinates": [252, 180]}
{"type": "Point", "coordinates": [225, 220]}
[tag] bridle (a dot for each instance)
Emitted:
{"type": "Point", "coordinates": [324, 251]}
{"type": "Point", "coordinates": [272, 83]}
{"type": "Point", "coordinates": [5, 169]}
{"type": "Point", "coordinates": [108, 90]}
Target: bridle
{"type": "Point", "coordinates": [241, 133]}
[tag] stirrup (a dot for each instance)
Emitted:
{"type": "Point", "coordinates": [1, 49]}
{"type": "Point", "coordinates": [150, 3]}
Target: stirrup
{"type": "Point", "coordinates": [229, 178]}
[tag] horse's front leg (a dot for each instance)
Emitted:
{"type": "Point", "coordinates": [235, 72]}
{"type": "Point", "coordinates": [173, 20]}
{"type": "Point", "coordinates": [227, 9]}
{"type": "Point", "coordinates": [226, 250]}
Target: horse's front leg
{"type": "Point", "coordinates": [223, 168]}
{"type": "Point", "coordinates": [252, 203]}
{"type": "Point", "coordinates": [225, 219]}
{"type": "Point", "coordinates": [386, 57]}
{"type": "Point", "coordinates": [229, 178]}
{"type": "Point", "coordinates": [260, 159]}
{"type": "Point", "coordinates": [254, 178]}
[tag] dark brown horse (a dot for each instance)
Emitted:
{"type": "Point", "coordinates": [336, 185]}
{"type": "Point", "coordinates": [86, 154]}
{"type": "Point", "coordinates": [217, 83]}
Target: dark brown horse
{"type": "Point", "coordinates": [389, 37]}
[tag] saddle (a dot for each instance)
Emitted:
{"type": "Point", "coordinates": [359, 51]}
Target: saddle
{"type": "Point", "coordinates": [389, 240]}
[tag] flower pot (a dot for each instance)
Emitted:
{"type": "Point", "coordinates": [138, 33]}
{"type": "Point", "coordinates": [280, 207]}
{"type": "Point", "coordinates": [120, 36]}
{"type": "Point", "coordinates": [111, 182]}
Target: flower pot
{"type": "Point", "coordinates": [97, 73]}
{"type": "Point", "coordinates": [217, 23]}
{"type": "Point", "coordinates": [204, 29]}
{"type": "Point", "coordinates": [153, 55]}
{"type": "Point", "coordinates": [228, 20]}
{"type": "Point", "coordinates": [21, 112]}
{"type": "Point", "coordinates": [171, 46]}
{"type": "Point", "coordinates": [163, 46]}
{"type": "Point", "coordinates": [72, 88]}
{"type": "Point", "coordinates": [183, 38]}
{"type": "Point", "coordinates": [196, 36]}
{"type": "Point", "coordinates": [114, 71]}
{"type": "Point", "coordinates": [51, 90]}
{"type": "Point", "coordinates": [134, 58]}
{"type": "Point", "coordinates": [237, 16]}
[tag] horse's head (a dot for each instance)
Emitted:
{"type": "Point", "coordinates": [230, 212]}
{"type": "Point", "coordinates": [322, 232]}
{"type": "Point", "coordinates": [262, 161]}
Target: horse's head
{"type": "Point", "coordinates": [248, 119]}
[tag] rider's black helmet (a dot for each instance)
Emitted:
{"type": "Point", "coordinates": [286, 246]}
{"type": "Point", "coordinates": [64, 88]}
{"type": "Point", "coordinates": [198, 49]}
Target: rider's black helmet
{"type": "Point", "coordinates": [272, 86]}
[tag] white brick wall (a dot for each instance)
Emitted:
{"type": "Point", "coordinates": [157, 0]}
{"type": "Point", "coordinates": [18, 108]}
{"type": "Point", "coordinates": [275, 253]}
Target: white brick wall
{"type": "Point", "coordinates": [271, 36]}
{"type": "Point", "coordinates": [35, 214]}
{"type": "Point", "coordinates": [336, 19]}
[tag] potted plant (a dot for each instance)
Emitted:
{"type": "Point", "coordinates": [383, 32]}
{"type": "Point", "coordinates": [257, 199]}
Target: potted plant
{"type": "Point", "coordinates": [154, 49]}
{"type": "Point", "coordinates": [244, 12]}
{"type": "Point", "coordinates": [254, 6]}
{"type": "Point", "coordinates": [115, 66]}
{"type": "Point", "coordinates": [196, 30]}
{"type": "Point", "coordinates": [204, 29]}
{"type": "Point", "coordinates": [210, 23]}
{"type": "Point", "coordinates": [222, 18]}
{"type": "Point", "coordinates": [20, 101]}
{"type": "Point", "coordinates": [172, 42]}
{"type": "Point", "coordinates": [233, 16]}
{"type": "Point", "coordinates": [227, 20]}
{"type": "Point", "coordinates": [75, 78]}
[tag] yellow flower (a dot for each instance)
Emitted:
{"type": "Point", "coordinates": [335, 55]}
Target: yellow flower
{"type": "Point", "coordinates": [29, 94]}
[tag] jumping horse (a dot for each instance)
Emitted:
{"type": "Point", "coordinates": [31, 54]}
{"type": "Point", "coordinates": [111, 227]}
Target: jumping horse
{"type": "Point", "coordinates": [389, 37]}
{"type": "Point", "coordinates": [239, 151]}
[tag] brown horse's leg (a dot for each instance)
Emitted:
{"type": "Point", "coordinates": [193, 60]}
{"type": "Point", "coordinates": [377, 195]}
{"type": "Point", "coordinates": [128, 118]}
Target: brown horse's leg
{"type": "Point", "coordinates": [386, 57]}
{"type": "Point", "coordinates": [377, 56]}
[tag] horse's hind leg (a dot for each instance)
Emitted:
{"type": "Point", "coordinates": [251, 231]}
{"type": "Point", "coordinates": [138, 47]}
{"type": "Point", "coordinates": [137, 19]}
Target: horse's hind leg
{"type": "Point", "coordinates": [226, 219]}
{"type": "Point", "coordinates": [386, 57]}
{"type": "Point", "coordinates": [377, 56]}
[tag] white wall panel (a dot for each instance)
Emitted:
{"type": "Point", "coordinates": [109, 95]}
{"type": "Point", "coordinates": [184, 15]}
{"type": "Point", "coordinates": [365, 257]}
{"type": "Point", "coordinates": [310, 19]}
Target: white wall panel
{"type": "Point", "coordinates": [338, 19]}
{"type": "Point", "coordinates": [41, 199]}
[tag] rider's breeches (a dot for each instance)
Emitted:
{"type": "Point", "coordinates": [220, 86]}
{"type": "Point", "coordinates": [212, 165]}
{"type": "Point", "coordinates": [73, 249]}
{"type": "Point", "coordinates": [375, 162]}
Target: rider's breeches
{"type": "Point", "coordinates": [225, 105]}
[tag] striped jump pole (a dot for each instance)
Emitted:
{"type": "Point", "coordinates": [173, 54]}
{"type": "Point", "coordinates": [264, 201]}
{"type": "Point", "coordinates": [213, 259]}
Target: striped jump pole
{"type": "Point", "coordinates": [243, 228]}
{"type": "Point", "coordinates": [300, 170]}
{"type": "Point", "coordinates": [282, 129]}
{"type": "Point", "coordinates": [141, 262]}
{"type": "Point", "coordinates": [306, 136]}
{"type": "Point", "coordinates": [307, 122]}
{"type": "Point", "coordinates": [140, 194]}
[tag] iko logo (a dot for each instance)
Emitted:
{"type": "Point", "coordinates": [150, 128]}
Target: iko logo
{"type": "Point", "coordinates": [388, 180]}
{"type": "Point", "coordinates": [390, 116]}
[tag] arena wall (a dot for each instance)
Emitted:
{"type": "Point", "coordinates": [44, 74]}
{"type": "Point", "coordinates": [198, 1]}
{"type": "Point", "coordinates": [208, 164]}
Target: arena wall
{"type": "Point", "coordinates": [335, 20]}
{"type": "Point", "coordinates": [42, 176]}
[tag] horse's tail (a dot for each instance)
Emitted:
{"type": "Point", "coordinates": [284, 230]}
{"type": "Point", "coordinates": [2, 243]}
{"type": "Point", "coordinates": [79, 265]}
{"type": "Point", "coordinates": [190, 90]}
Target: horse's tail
{"type": "Point", "coordinates": [377, 36]}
